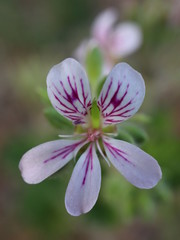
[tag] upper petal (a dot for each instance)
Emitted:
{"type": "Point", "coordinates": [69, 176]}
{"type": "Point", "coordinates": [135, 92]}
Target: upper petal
{"type": "Point", "coordinates": [84, 186]}
{"type": "Point", "coordinates": [42, 161]}
{"type": "Point", "coordinates": [102, 25]}
{"type": "Point", "coordinates": [69, 91]}
{"type": "Point", "coordinates": [138, 167]}
{"type": "Point", "coordinates": [125, 39]}
{"type": "Point", "coordinates": [84, 47]}
{"type": "Point", "coordinates": [122, 94]}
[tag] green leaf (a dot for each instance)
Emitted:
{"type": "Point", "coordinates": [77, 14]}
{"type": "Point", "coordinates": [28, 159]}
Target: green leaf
{"type": "Point", "coordinates": [139, 134]}
{"type": "Point", "coordinates": [141, 118]}
{"type": "Point", "coordinates": [42, 92]}
{"type": "Point", "coordinates": [125, 136]}
{"type": "Point", "coordinates": [57, 120]}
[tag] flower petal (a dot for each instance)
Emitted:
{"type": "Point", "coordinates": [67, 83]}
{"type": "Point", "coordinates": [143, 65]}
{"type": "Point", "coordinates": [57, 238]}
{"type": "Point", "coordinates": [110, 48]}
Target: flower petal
{"type": "Point", "coordinates": [103, 25]}
{"type": "Point", "coordinates": [122, 94]}
{"type": "Point", "coordinates": [69, 91]}
{"type": "Point", "coordinates": [138, 167]}
{"type": "Point", "coordinates": [42, 161]}
{"type": "Point", "coordinates": [84, 185]}
{"type": "Point", "coordinates": [125, 39]}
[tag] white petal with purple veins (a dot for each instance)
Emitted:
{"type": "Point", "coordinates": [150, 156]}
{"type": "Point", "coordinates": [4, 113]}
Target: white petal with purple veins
{"type": "Point", "coordinates": [125, 39]}
{"type": "Point", "coordinates": [138, 167]}
{"type": "Point", "coordinates": [122, 94]}
{"type": "Point", "coordinates": [69, 91]}
{"type": "Point", "coordinates": [84, 186]}
{"type": "Point", "coordinates": [42, 161]}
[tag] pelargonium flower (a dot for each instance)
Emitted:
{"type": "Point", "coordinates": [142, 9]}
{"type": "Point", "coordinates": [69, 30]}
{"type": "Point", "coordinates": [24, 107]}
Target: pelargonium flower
{"type": "Point", "coordinates": [115, 42]}
{"type": "Point", "coordinates": [120, 98]}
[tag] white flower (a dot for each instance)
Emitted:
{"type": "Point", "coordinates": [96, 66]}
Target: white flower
{"type": "Point", "coordinates": [121, 96]}
{"type": "Point", "coordinates": [115, 42]}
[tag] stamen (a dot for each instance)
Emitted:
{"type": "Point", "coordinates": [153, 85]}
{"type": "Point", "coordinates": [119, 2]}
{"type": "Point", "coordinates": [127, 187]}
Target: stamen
{"type": "Point", "coordinates": [73, 135]}
{"type": "Point", "coordinates": [102, 154]}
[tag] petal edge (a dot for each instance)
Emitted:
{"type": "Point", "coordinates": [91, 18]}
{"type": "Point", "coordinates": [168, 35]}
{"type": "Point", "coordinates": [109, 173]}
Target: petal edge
{"type": "Point", "coordinates": [69, 91]}
{"type": "Point", "coordinates": [138, 167]}
{"type": "Point", "coordinates": [42, 161]}
{"type": "Point", "coordinates": [84, 186]}
{"type": "Point", "coordinates": [122, 94]}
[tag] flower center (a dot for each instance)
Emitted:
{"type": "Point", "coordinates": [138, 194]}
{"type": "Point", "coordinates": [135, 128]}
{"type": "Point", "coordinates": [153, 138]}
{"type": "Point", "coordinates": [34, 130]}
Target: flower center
{"type": "Point", "coordinates": [93, 134]}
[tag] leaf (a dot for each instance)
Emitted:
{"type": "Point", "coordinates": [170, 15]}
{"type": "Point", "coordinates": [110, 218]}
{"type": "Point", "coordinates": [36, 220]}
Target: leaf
{"type": "Point", "coordinates": [141, 118]}
{"type": "Point", "coordinates": [138, 134]}
{"type": "Point", "coordinates": [125, 136]}
{"type": "Point", "coordinates": [42, 92]}
{"type": "Point", "coordinates": [57, 120]}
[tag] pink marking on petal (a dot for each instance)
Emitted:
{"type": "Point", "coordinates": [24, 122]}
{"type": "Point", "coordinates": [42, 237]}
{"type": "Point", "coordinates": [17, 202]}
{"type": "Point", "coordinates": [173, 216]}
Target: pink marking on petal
{"type": "Point", "coordinates": [121, 108]}
{"type": "Point", "coordinates": [117, 152]}
{"type": "Point", "coordinates": [111, 121]}
{"type": "Point", "coordinates": [70, 98]}
{"type": "Point", "coordinates": [121, 95]}
{"type": "Point", "coordinates": [118, 110]}
{"type": "Point", "coordinates": [63, 104]}
{"type": "Point", "coordinates": [103, 99]}
{"type": "Point", "coordinates": [89, 163]}
{"type": "Point", "coordinates": [65, 151]}
{"type": "Point", "coordinates": [122, 113]}
{"type": "Point", "coordinates": [114, 100]}
{"type": "Point", "coordinates": [83, 93]}
{"type": "Point", "coordinates": [69, 91]}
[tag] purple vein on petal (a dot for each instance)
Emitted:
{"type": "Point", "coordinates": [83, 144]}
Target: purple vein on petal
{"type": "Point", "coordinates": [64, 151]}
{"type": "Point", "coordinates": [88, 162]}
{"type": "Point", "coordinates": [118, 110]}
{"type": "Point", "coordinates": [117, 152]}
{"type": "Point", "coordinates": [67, 101]}
{"type": "Point", "coordinates": [103, 98]}
{"type": "Point", "coordinates": [114, 100]}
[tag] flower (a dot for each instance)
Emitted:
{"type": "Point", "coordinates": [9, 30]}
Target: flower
{"type": "Point", "coordinates": [115, 42]}
{"type": "Point", "coordinates": [120, 98]}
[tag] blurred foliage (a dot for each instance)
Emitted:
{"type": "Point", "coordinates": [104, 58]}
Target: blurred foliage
{"type": "Point", "coordinates": [135, 133]}
{"type": "Point", "coordinates": [36, 24]}
{"type": "Point", "coordinates": [165, 147]}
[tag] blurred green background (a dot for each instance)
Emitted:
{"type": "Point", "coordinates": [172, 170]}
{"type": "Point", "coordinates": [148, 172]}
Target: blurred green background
{"type": "Point", "coordinates": [34, 35]}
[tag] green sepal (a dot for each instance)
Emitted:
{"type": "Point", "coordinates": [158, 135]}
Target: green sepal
{"type": "Point", "coordinates": [57, 120]}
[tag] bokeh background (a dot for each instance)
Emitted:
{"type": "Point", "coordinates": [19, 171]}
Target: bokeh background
{"type": "Point", "coordinates": [34, 35]}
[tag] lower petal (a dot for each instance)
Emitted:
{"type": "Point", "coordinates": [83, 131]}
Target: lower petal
{"type": "Point", "coordinates": [84, 186]}
{"type": "Point", "coordinates": [138, 167]}
{"type": "Point", "coordinates": [42, 161]}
